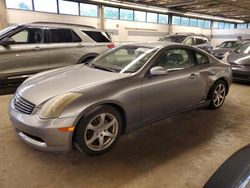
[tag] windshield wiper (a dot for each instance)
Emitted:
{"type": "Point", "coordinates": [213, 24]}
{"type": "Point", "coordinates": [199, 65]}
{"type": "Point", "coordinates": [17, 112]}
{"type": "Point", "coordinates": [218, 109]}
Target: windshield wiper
{"type": "Point", "coordinates": [103, 68]}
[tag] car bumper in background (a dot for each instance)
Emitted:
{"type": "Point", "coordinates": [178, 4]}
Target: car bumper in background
{"type": "Point", "coordinates": [42, 134]}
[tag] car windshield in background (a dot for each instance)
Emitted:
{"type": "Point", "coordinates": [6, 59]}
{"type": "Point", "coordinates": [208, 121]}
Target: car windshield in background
{"type": "Point", "coordinates": [245, 48]}
{"type": "Point", "coordinates": [230, 44]}
{"type": "Point", "coordinates": [178, 39]}
{"type": "Point", "coordinates": [7, 29]}
{"type": "Point", "coordinates": [125, 59]}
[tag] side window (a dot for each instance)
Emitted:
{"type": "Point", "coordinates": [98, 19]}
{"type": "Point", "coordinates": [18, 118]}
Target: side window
{"type": "Point", "coordinates": [97, 36]}
{"type": "Point", "coordinates": [61, 35]}
{"type": "Point", "coordinates": [28, 36]}
{"type": "Point", "coordinates": [175, 59]}
{"type": "Point", "coordinates": [201, 58]}
{"type": "Point", "coordinates": [189, 41]}
{"type": "Point", "coordinates": [200, 41]}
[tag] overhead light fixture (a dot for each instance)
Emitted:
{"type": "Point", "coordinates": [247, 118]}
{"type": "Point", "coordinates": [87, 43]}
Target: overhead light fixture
{"type": "Point", "coordinates": [132, 5]}
{"type": "Point", "coordinates": [164, 10]}
{"type": "Point", "coordinates": [217, 18]}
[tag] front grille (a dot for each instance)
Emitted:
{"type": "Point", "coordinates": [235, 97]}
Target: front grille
{"type": "Point", "coordinates": [22, 105]}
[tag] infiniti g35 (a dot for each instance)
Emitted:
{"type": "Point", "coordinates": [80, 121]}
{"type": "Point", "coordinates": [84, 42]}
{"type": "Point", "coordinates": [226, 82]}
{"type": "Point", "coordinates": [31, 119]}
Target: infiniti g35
{"type": "Point", "coordinates": [129, 86]}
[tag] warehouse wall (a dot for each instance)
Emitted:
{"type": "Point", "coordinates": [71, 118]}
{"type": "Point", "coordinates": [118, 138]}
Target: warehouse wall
{"type": "Point", "coordinates": [123, 31]}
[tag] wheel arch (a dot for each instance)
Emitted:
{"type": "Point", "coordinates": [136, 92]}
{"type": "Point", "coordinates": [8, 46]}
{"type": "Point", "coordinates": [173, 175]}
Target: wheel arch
{"type": "Point", "coordinates": [224, 80]}
{"type": "Point", "coordinates": [94, 107]}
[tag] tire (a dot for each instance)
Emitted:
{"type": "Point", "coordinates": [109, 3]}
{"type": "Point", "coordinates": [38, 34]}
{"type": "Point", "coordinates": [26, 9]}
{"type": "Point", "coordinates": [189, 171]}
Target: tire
{"type": "Point", "coordinates": [98, 131]}
{"type": "Point", "coordinates": [217, 94]}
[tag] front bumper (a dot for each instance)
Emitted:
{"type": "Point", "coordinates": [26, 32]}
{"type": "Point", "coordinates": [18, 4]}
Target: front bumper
{"type": "Point", "coordinates": [42, 134]}
{"type": "Point", "coordinates": [241, 73]}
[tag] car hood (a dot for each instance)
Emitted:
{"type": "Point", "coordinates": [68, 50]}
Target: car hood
{"type": "Point", "coordinates": [45, 85]}
{"type": "Point", "coordinates": [238, 58]}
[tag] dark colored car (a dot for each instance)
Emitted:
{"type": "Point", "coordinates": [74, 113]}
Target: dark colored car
{"type": "Point", "coordinates": [240, 62]}
{"type": "Point", "coordinates": [227, 46]}
{"type": "Point", "coordinates": [234, 172]}
{"type": "Point", "coordinates": [196, 40]}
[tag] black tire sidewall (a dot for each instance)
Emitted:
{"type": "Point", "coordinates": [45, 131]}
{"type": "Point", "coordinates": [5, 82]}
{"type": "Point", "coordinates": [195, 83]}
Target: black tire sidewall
{"type": "Point", "coordinates": [82, 125]}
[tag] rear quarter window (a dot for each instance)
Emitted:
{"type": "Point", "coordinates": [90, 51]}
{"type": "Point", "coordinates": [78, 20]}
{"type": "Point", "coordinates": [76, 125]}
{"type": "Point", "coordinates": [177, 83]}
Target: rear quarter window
{"type": "Point", "coordinates": [97, 36]}
{"type": "Point", "coordinates": [200, 41]}
{"type": "Point", "coordinates": [201, 58]}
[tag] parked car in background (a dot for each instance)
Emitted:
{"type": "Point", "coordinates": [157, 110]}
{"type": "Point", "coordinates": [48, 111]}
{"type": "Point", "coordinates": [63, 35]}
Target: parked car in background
{"type": "Point", "coordinates": [129, 86]}
{"type": "Point", "coordinates": [32, 48]}
{"type": "Point", "coordinates": [240, 62]}
{"type": "Point", "coordinates": [234, 172]}
{"type": "Point", "coordinates": [192, 39]}
{"type": "Point", "coordinates": [227, 46]}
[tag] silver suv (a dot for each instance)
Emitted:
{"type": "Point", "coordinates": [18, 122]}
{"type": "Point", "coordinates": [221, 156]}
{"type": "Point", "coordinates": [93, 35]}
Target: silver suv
{"type": "Point", "coordinates": [31, 48]}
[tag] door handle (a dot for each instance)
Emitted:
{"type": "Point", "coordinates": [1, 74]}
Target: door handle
{"type": "Point", "coordinates": [37, 48]}
{"type": "Point", "coordinates": [80, 46]}
{"type": "Point", "coordinates": [192, 76]}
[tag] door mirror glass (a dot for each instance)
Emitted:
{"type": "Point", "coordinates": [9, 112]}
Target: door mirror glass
{"type": "Point", "coordinates": [7, 42]}
{"type": "Point", "coordinates": [157, 71]}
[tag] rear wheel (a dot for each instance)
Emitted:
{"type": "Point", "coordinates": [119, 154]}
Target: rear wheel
{"type": "Point", "coordinates": [217, 94]}
{"type": "Point", "coordinates": [98, 131]}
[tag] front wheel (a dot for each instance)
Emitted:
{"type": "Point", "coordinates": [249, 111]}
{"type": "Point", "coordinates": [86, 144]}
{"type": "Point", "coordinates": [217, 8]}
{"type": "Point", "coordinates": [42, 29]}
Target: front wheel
{"type": "Point", "coordinates": [217, 94]}
{"type": "Point", "coordinates": [98, 131]}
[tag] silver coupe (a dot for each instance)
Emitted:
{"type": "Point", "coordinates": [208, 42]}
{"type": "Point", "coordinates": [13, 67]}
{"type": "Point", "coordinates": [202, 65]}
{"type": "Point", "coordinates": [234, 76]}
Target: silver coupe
{"type": "Point", "coordinates": [132, 85]}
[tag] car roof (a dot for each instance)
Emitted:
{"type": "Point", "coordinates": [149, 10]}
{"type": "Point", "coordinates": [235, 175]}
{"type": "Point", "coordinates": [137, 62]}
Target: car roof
{"type": "Point", "coordinates": [62, 25]}
{"type": "Point", "coordinates": [158, 44]}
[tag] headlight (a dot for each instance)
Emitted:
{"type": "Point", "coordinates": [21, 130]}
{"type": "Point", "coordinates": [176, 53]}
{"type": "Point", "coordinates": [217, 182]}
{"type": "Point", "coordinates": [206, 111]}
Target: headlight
{"type": "Point", "coordinates": [54, 107]}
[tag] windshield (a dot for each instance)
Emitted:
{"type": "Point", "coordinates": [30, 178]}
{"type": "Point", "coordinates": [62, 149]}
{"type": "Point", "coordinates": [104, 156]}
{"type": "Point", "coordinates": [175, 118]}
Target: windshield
{"type": "Point", "coordinates": [125, 59]}
{"type": "Point", "coordinates": [229, 44]}
{"type": "Point", "coordinates": [6, 30]}
{"type": "Point", "coordinates": [244, 48]}
{"type": "Point", "coordinates": [173, 38]}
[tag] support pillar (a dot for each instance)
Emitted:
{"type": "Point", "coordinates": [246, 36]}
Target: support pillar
{"type": "Point", "coordinates": [3, 15]}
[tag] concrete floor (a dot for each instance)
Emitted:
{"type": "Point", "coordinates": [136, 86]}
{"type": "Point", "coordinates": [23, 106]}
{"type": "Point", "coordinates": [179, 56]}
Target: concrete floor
{"type": "Point", "coordinates": [179, 152]}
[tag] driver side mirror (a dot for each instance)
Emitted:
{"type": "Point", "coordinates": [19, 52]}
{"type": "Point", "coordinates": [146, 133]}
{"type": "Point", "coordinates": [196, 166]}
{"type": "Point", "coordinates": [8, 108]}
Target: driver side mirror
{"type": "Point", "coordinates": [7, 42]}
{"type": "Point", "coordinates": [158, 71]}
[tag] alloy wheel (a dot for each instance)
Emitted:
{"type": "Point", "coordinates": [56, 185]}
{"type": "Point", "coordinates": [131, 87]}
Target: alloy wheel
{"type": "Point", "coordinates": [101, 131]}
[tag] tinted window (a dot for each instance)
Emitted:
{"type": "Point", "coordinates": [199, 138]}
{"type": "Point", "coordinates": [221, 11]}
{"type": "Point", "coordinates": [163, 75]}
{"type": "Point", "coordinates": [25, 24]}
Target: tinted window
{"type": "Point", "coordinates": [98, 36]}
{"type": "Point", "coordinates": [28, 36]}
{"type": "Point", "coordinates": [200, 41]}
{"type": "Point", "coordinates": [201, 58]}
{"type": "Point", "coordinates": [175, 58]}
{"type": "Point", "coordinates": [229, 44]}
{"type": "Point", "coordinates": [61, 35]}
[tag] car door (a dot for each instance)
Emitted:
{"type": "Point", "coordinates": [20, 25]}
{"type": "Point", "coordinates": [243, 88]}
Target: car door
{"type": "Point", "coordinates": [28, 54]}
{"type": "Point", "coordinates": [175, 91]}
{"type": "Point", "coordinates": [65, 47]}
